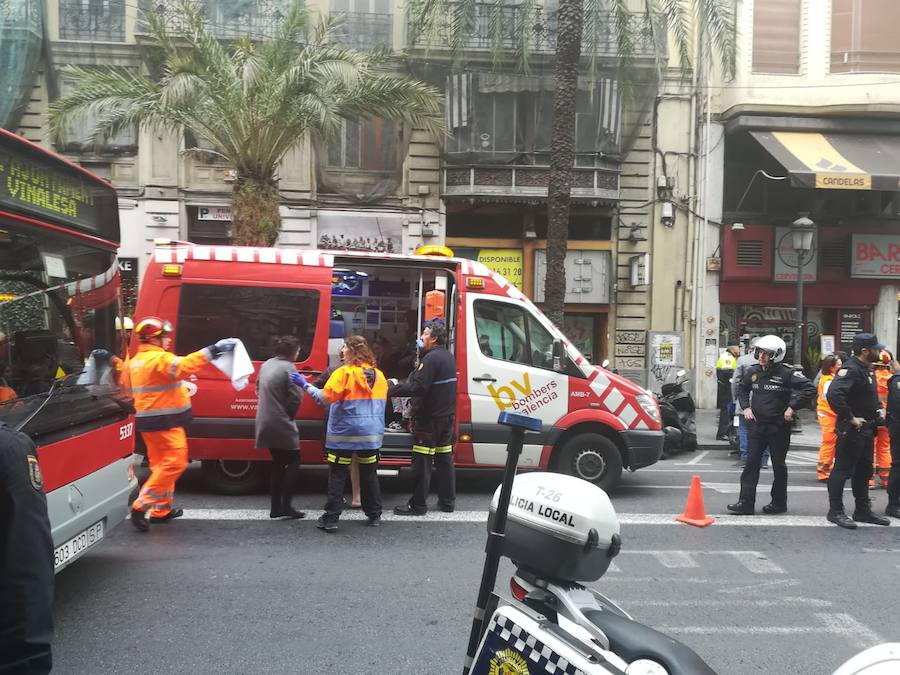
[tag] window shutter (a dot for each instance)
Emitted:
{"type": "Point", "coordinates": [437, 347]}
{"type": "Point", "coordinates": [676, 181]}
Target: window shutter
{"type": "Point", "coordinates": [776, 36]}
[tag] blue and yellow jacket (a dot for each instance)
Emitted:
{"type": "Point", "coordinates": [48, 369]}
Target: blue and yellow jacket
{"type": "Point", "coordinates": [357, 395]}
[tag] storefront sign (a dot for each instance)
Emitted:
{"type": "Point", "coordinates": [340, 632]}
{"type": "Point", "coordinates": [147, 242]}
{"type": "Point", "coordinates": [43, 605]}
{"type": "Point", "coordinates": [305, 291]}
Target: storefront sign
{"type": "Point", "coordinates": [786, 258]}
{"type": "Point", "coordinates": [504, 261]}
{"type": "Point", "coordinates": [851, 322]}
{"type": "Point", "coordinates": [876, 256]}
{"type": "Point", "coordinates": [128, 273]}
{"type": "Point", "coordinates": [214, 213]}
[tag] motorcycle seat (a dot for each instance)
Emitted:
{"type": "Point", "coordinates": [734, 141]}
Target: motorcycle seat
{"type": "Point", "coordinates": [632, 640]}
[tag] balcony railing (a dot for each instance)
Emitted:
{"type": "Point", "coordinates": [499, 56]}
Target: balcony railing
{"type": "Point", "coordinates": [102, 20]}
{"type": "Point", "coordinates": [21, 15]}
{"type": "Point", "coordinates": [226, 18]}
{"type": "Point", "coordinates": [495, 27]}
{"type": "Point", "coordinates": [365, 31]}
{"type": "Point", "coordinates": [526, 182]}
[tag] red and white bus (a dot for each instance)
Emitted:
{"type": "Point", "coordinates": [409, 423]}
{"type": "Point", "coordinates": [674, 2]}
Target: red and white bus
{"type": "Point", "coordinates": [60, 300]}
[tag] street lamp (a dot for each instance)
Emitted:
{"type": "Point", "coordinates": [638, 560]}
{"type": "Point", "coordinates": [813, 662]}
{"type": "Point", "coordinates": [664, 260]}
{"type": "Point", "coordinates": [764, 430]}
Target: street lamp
{"type": "Point", "coordinates": [803, 232]}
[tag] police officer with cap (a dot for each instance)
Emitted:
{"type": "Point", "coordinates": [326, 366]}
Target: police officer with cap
{"type": "Point", "coordinates": [26, 559]}
{"type": "Point", "coordinates": [769, 393]}
{"type": "Point", "coordinates": [853, 395]}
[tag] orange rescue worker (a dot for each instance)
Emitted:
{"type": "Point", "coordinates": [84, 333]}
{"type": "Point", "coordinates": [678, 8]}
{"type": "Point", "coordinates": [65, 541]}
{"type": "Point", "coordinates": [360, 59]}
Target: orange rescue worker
{"type": "Point", "coordinates": [827, 418]}
{"type": "Point", "coordinates": [163, 408]}
{"type": "Point", "coordinates": [882, 463]}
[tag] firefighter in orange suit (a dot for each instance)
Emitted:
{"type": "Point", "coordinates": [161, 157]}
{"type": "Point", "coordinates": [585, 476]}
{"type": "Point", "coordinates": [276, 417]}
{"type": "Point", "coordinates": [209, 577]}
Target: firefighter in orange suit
{"type": "Point", "coordinates": [882, 466]}
{"type": "Point", "coordinates": [163, 408]}
{"type": "Point", "coordinates": [827, 419]}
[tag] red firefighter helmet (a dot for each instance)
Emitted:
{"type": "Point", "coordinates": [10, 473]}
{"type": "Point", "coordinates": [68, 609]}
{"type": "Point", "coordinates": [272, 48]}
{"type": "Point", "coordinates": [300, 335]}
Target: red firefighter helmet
{"type": "Point", "coordinates": [151, 327]}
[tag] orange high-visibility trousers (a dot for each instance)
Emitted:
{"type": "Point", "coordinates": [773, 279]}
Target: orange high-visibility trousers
{"type": "Point", "coordinates": [826, 448]}
{"type": "Point", "coordinates": [167, 451]}
{"type": "Point", "coordinates": [883, 455]}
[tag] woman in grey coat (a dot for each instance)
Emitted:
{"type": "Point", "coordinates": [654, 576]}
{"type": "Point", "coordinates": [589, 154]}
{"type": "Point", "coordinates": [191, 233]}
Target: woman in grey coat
{"type": "Point", "coordinates": [276, 429]}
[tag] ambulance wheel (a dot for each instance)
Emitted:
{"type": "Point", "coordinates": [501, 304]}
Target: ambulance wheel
{"type": "Point", "coordinates": [591, 457]}
{"type": "Point", "coordinates": [235, 476]}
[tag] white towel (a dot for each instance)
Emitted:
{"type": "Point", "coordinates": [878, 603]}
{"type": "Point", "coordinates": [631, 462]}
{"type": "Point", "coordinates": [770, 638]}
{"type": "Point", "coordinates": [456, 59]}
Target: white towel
{"type": "Point", "coordinates": [236, 365]}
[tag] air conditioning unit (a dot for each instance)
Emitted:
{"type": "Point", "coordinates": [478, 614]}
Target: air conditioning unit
{"type": "Point", "coordinates": [229, 175]}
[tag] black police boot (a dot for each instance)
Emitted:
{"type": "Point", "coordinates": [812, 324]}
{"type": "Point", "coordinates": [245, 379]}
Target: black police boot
{"type": "Point", "coordinates": [864, 514]}
{"type": "Point", "coordinates": [139, 520]}
{"type": "Point", "coordinates": [840, 519]}
{"type": "Point", "coordinates": [893, 510]}
{"type": "Point", "coordinates": [772, 508]}
{"type": "Point", "coordinates": [329, 526]}
{"type": "Point", "coordinates": [741, 508]}
{"type": "Point", "coordinates": [171, 515]}
{"type": "Point", "coordinates": [373, 521]}
{"type": "Point", "coordinates": [410, 510]}
{"type": "Point", "coordinates": [293, 514]}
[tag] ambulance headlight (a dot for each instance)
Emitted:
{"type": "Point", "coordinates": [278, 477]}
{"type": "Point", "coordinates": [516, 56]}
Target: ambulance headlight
{"type": "Point", "coordinates": [650, 406]}
{"type": "Point", "coordinates": [645, 667]}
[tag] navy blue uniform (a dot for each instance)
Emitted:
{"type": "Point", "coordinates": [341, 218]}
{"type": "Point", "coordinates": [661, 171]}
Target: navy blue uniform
{"type": "Point", "coordinates": [893, 420]}
{"type": "Point", "coordinates": [26, 559]}
{"type": "Point", "coordinates": [853, 393]}
{"type": "Point", "coordinates": [768, 392]}
{"type": "Point", "coordinates": [432, 387]}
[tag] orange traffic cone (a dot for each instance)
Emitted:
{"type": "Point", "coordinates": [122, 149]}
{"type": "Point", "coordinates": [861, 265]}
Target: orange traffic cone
{"type": "Point", "coordinates": [694, 513]}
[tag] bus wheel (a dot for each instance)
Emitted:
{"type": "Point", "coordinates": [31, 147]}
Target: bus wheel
{"type": "Point", "coordinates": [591, 457]}
{"type": "Point", "coordinates": [235, 476]}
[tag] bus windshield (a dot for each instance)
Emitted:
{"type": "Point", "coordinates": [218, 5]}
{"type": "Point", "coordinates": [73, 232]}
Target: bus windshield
{"type": "Point", "coordinates": [59, 300]}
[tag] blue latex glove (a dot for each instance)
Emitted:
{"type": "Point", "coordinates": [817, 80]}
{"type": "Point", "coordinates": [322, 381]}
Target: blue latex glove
{"type": "Point", "coordinates": [299, 380]}
{"type": "Point", "coordinates": [226, 345]}
{"type": "Point", "coordinates": [101, 355]}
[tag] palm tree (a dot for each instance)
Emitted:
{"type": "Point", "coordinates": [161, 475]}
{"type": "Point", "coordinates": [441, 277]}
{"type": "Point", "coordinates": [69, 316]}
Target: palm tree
{"type": "Point", "coordinates": [253, 100]}
{"type": "Point", "coordinates": [692, 24]}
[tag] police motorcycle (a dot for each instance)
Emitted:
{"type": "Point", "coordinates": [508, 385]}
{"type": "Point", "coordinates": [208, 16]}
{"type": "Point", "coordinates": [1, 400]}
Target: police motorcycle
{"type": "Point", "coordinates": [560, 532]}
{"type": "Point", "coordinates": [678, 416]}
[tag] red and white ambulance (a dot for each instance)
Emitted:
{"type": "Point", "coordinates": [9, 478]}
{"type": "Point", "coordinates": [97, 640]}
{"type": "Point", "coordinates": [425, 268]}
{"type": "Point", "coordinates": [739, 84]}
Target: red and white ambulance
{"type": "Point", "coordinates": [509, 355]}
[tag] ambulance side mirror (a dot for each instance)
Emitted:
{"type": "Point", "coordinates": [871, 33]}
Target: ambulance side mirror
{"type": "Point", "coordinates": [559, 353]}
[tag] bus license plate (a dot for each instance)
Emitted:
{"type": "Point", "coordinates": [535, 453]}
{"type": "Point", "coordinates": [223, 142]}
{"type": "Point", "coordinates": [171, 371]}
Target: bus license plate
{"type": "Point", "coordinates": [78, 544]}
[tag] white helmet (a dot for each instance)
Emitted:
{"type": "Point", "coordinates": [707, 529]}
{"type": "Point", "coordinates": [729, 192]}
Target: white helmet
{"type": "Point", "coordinates": [128, 323]}
{"type": "Point", "coordinates": [772, 344]}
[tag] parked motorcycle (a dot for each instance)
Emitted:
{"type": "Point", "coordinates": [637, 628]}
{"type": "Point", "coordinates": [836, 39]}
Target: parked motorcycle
{"type": "Point", "coordinates": [679, 416]}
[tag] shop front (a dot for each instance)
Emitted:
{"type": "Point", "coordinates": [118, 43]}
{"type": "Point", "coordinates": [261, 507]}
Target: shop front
{"type": "Point", "coordinates": [521, 259]}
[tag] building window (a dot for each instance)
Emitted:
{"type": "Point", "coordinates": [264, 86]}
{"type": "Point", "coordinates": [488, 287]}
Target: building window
{"type": "Point", "coordinates": [370, 145]}
{"type": "Point", "coordinates": [102, 20]}
{"type": "Point", "coordinates": [496, 117]}
{"type": "Point", "coordinates": [209, 225]}
{"type": "Point", "coordinates": [77, 138]}
{"type": "Point", "coordinates": [365, 24]}
{"type": "Point", "coordinates": [776, 36]}
{"type": "Point", "coordinates": [864, 36]}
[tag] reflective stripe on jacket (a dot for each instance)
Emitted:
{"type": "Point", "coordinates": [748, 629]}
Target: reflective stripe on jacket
{"type": "Point", "coordinates": [160, 398]}
{"type": "Point", "coordinates": [822, 407]}
{"type": "Point", "coordinates": [882, 375]}
{"type": "Point", "coordinates": [356, 419]}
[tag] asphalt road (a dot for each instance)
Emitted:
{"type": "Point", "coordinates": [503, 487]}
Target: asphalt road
{"type": "Point", "coordinates": [225, 590]}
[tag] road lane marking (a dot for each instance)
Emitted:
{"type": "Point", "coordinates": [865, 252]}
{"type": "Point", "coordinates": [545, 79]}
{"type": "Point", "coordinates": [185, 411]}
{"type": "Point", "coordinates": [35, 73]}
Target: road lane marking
{"type": "Point", "coordinates": [775, 602]}
{"type": "Point", "coordinates": [696, 460]}
{"type": "Point", "coordinates": [481, 517]}
{"type": "Point", "coordinates": [756, 562]}
{"type": "Point", "coordinates": [755, 587]}
{"type": "Point", "coordinates": [733, 488]}
{"type": "Point", "coordinates": [847, 626]}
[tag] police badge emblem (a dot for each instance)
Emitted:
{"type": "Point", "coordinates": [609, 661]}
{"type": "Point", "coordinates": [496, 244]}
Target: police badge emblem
{"type": "Point", "coordinates": [508, 662]}
{"type": "Point", "coordinates": [754, 377]}
{"type": "Point", "coordinates": [842, 372]}
{"type": "Point", "coordinates": [34, 473]}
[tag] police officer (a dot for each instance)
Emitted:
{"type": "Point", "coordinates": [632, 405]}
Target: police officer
{"type": "Point", "coordinates": [853, 395]}
{"type": "Point", "coordinates": [770, 393]}
{"type": "Point", "coordinates": [432, 386]}
{"type": "Point", "coordinates": [26, 559]}
{"type": "Point", "coordinates": [893, 422]}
